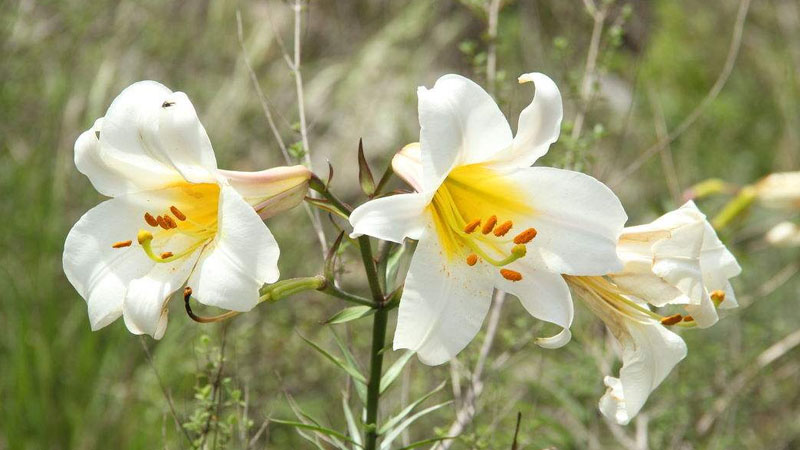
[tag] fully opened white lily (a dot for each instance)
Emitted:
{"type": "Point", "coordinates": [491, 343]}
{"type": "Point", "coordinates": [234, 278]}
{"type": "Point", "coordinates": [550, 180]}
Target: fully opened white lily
{"type": "Point", "coordinates": [173, 215]}
{"type": "Point", "coordinates": [678, 259]}
{"type": "Point", "coordinates": [485, 219]}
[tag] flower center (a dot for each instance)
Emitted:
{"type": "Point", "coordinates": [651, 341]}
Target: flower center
{"type": "Point", "coordinates": [465, 210]}
{"type": "Point", "coordinates": [175, 231]}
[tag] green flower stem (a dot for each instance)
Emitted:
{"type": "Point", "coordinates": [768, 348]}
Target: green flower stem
{"type": "Point", "coordinates": [334, 291]}
{"type": "Point", "coordinates": [378, 341]}
{"type": "Point", "coordinates": [291, 286]}
{"type": "Point", "coordinates": [317, 185]}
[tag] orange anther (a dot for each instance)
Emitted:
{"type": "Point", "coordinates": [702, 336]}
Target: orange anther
{"type": "Point", "coordinates": [671, 320]}
{"type": "Point", "coordinates": [688, 319]}
{"type": "Point", "coordinates": [503, 228]}
{"type": "Point", "coordinates": [510, 275]}
{"type": "Point", "coordinates": [166, 255]}
{"type": "Point", "coordinates": [187, 292]}
{"type": "Point", "coordinates": [162, 223]}
{"type": "Point", "coordinates": [472, 225]}
{"type": "Point", "coordinates": [170, 221]}
{"type": "Point", "coordinates": [181, 216]}
{"type": "Point", "coordinates": [150, 219]}
{"type": "Point", "coordinates": [489, 225]}
{"type": "Point", "coordinates": [526, 236]}
{"type": "Point", "coordinates": [121, 244]}
{"type": "Point", "coordinates": [472, 259]}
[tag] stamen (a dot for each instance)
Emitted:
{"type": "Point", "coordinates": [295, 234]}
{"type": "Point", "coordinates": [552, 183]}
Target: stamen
{"type": "Point", "coordinates": [472, 226]}
{"type": "Point", "coordinates": [187, 292]}
{"type": "Point", "coordinates": [144, 236]}
{"type": "Point", "coordinates": [150, 219]}
{"type": "Point", "coordinates": [472, 259]}
{"type": "Point", "coordinates": [503, 228]}
{"type": "Point", "coordinates": [170, 221]}
{"type": "Point", "coordinates": [510, 275]}
{"type": "Point", "coordinates": [121, 244]}
{"type": "Point", "coordinates": [688, 319]}
{"type": "Point", "coordinates": [671, 320]}
{"type": "Point", "coordinates": [526, 236]}
{"type": "Point", "coordinates": [489, 225]}
{"type": "Point", "coordinates": [519, 250]}
{"type": "Point", "coordinates": [162, 223]}
{"type": "Point", "coordinates": [166, 255]}
{"type": "Point", "coordinates": [181, 216]}
{"type": "Point", "coordinates": [717, 297]}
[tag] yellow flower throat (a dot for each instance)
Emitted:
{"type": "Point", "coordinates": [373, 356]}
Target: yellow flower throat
{"type": "Point", "coordinates": [465, 211]}
{"type": "Point", "coordinates": [192, 213]}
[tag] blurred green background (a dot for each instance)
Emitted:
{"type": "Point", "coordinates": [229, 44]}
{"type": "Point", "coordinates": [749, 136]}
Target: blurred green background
{"type": "Point", "coordinates": [62, 386]}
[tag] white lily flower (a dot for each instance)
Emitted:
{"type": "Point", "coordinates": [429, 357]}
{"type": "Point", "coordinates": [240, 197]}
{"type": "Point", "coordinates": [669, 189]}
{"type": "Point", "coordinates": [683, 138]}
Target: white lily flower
{"type": "Point", "coordinates": [173, 215]}
{"type": "Point", "coordinates": [474, 186]}
{"type": "Point", "coordinates": [678, 259]}
{"type": "Point", "coordinates": [649, 350]}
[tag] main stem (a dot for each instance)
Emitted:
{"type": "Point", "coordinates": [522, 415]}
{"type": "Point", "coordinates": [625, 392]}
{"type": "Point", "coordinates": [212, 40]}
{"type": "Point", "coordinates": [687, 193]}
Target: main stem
{"type": "Point", "coordinates": [378, 341]}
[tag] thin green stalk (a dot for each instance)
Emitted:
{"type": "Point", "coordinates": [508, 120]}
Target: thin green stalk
{"type": "Point", "coordinates": [378, 342]}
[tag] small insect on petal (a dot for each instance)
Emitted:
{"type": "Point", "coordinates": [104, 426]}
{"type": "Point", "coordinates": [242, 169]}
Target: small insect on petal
{"type": "Point", "coordinates": [150, 219]}
{"type": "Point", "coordinates": [489, 225]}
{"type": "Point", "coordinates": [503, 228]}
{"type": "Point", "coordinates": [510, 275]}
{"type": "Point", "coordinates": [121, 244]}
{"type": "Point", "coordinates": [181, 216]}
{"type": "Point", "coordinates": [671, 320]}
{"type": "Point", "coordinates": [170, 221]}
{"type": "Point", "coordinates": [166, 255]}
{"type": "Point", "coordinates": [526, 236]}
{"type": "Point", "coordinates": [472, 226]}
{"type": "Point", "coordinates": [472, 259]}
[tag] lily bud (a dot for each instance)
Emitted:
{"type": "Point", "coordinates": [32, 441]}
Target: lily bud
{"type": "Point", "coordinates": [784, 234]}
{"type": "Point", "coordinates": [779, 191]}
{"type": "Point", "coordinates": [407, 164]}
{"type": "Point", "coordinates": [270, 191]}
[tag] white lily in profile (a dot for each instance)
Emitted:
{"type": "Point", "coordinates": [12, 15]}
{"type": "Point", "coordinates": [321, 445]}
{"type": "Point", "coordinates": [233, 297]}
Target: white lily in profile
{"type": "Point", "coordinates": [485, 219]}
{"type": "Point", "coordinates": [678, 259]}
{"type": "Point", "coordinates": [173, 215]}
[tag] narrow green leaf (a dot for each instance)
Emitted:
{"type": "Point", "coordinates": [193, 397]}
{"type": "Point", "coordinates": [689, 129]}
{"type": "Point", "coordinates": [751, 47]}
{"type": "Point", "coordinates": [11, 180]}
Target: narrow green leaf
{"type": "Point", "coordinates": [351, 313]}
{"type": "Point", "coordinates": [388, 378]}
{"type": "Point", "coordinates": [352, 428]}
{"type": "Point", "coordinates": [407, 410]}
{"type": "Point", "coordinates": [361, 388]}
{"type": "Point", "coordinates": [326, 206]}
{"type": "Point", "coordinates": [330, 260]}
{"type": "Point", "coordinates": [351, 370]}
{"type": "Point", "coordinates": [330, 175]}
{"type": "Point", "coordinates": [386, 444]}
{"type": "Point", "coordinates": [364, 174]}
{"type": "Point", "coordinates": [315, 428]}
{"type": "Point", "coordinates": [309, 420]}
{"type": "Point", "coordinates": [426, 442]}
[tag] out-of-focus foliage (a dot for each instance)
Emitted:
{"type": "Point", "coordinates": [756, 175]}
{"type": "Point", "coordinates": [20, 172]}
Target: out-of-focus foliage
{"type": "Point", "coordinates": [62, 386]}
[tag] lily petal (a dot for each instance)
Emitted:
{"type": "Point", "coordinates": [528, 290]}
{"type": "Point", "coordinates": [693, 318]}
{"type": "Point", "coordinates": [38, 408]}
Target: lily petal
{"type": "Point", "coordinates": [99, 272]}
{"type": "Point", "coordinates": [443, 304]}
{"type": "Point", "coordinates": [150, 138]}
{"type": "Point", "coordinates": [270, 191]}
{"type": "Point", "coordinates": [243, 258]}
{"type": "Point", "coordinates": [544, 295]}
{"type": "Point", "coordinates": [391, 218]}
{"type": "Point", "coordinates": [145, 306]}
{"type": "Point", "coordinates": [460, 124]}
{"type": "Point", "coordinates": [650, 351]}
{"type": "Point", "coordinates": [539, 123]}
{"type": "Point", "coordinates": [578, 220]}
{"type": "Point", "coordinates": [407, 164]}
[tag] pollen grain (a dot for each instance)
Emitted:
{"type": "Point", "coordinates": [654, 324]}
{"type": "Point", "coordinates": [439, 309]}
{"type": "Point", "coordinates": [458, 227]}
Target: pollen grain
{"type": "Point", "coordinates": [470, 227]}
{"type": "Point", "coordinates": [166, 255]}
{"type": "Point", "coordinates": [510, 275]}
{"type": "Point", "coordinates": [177, 212]}
{"type": "Point", "coordinates": [489, 225]}
{"type": "Point", "coordinates": [503, 228]}
{"type": "Point", "coordinates": [121, 244]}
{"type": "Point", "coordinates": [472, 259]}
{"type": "Point", "coordinates": [526, 236]}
